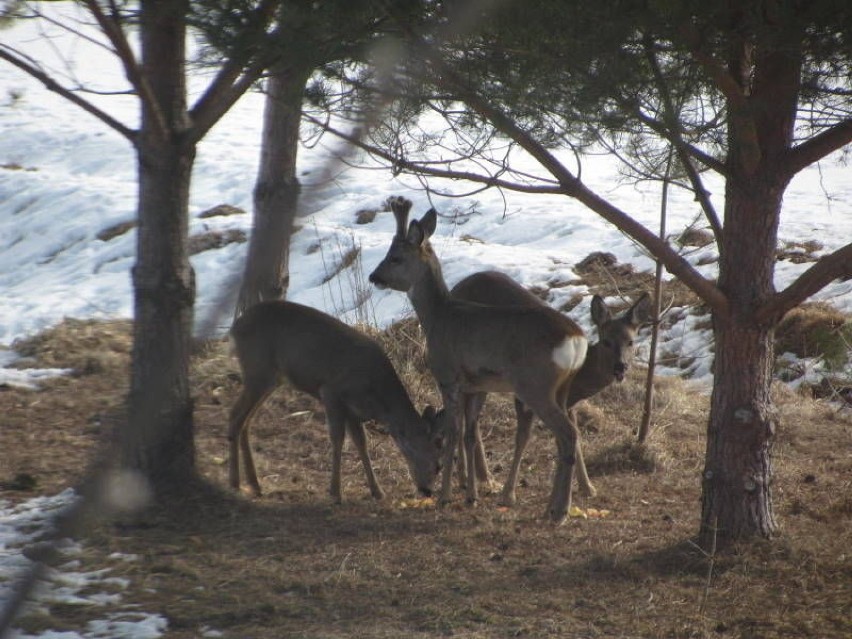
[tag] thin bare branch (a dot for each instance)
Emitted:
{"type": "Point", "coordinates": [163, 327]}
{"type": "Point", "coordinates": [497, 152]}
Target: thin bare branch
{"type": "Point", "coordinates": [658, 127]}
{"type": "Point", "coordinates": [723, 80]}
{"type": "Point", "coordinates": [113, 31]}
{"type": "Point", "coordinates": [426, 168]}
{"type": "Point", "coordinates": [681, 147]}
{"type": "Point", "coordinates": [66, 26]}
{"type": "Point", "coordinates": [728, 85]}
{"type": "Point", "coordinates": [571, 186]}
{"type": "Point", "coordinates": [11, 56]}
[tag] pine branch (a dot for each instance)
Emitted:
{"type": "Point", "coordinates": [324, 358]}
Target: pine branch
{"type": "Point", "coordinates": [827, 268]}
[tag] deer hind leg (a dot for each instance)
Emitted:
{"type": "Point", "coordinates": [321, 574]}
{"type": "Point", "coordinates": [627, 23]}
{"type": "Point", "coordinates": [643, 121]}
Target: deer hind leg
{"type": "Point", "coordinates": [473, 403]}
{"type": "Point", "coordinates": [356, 432]}
{"type": "Point", "coordinates": [336, 417]}
{"type": "Point", "coordinates": [242, 412]}
{"type": "Point", "coordinates": [522, 437]}
{"type": "Point", "coordinates": [583, 481]}
{"type": "Point", "coordinates": [554, 417]}
{"type": "Point", "coordinates": [450, 395]}
{"type": "Point", "coordinates": [461, 459]}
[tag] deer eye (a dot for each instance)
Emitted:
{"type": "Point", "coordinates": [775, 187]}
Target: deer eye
{"type": "Point", "coordinates": [396, 259]}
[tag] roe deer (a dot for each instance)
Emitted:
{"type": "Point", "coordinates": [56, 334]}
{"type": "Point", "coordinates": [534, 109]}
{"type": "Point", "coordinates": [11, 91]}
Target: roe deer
{"type": "Point", "coordinates": [345, 370]}
{"type": "Point", "coordinates": [606, 361]}
{"type": "Point", "coordinates": [534, 352]}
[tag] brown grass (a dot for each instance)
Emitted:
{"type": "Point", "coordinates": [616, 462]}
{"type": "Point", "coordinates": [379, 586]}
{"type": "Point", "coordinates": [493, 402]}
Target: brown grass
{"type": "Point", "coordinates": [292, 565]}
{"type": "Point", "coordinates": [604, 275]}
{"type": "Point", "coordinates": [816, 329]}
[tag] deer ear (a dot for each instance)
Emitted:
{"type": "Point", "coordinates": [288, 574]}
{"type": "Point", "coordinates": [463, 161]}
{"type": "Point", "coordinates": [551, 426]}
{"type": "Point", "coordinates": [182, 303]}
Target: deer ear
{"type": "Point", "coordinates": [640, 312]}
{"type": "Point", "coordinates": [600, 311]}
{"type": "Point", "coordinates": [429, 222]}
{"type": "Point", "coordinates": [419, 231]}
{"type": "Point", "coordinates": [437, 425]}
{"type": "Point", "coordinates": [416, 235]}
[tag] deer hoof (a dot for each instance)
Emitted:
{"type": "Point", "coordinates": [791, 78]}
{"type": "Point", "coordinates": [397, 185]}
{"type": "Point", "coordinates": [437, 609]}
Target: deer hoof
{"type": "Point", "coordinates": [507, 499]}
{"type": "Point", "coordinates": [557, 518]}
{"type": "Point", "coordinates": [588, 491]}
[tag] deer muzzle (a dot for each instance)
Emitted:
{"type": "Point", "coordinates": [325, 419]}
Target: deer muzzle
{"type": "Point", "coordinates": [377, 281]}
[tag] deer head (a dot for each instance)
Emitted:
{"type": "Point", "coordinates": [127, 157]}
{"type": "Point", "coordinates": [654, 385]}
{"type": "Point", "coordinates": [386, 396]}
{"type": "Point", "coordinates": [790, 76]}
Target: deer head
{"type": "Point", "coordinates": [404, 261]}
{"type": "Point", "coordinates": [420, 444]}
{"type": "Point", "coordinates": [614, 350]}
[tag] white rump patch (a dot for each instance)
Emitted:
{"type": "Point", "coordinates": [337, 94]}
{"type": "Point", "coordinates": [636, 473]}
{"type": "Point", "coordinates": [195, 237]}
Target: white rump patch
{"type": "Point", "coordinates": [571, 353]}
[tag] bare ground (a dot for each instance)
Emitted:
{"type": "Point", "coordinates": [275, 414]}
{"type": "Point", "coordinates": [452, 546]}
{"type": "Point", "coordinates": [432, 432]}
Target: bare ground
{"type": "Point", "coordinates": [291, 564]}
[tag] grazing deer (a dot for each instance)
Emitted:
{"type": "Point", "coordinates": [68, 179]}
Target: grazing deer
{"type": "Point", "coordinates": [534, 352]}
{"type": "Point", "coordinates": [606, 361]}
{"type": "Point", "coordinates": [345, 370]}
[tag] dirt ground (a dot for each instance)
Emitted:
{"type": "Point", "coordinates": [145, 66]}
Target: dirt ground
{"type": "Point", "coordinates": [291, 564]}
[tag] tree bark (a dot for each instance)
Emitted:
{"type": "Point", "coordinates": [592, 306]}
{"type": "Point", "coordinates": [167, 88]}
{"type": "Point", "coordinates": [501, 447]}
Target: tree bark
{"type": "Point", "coordinates": [157, 439]}
{"type": "Point", "coordinates": [276, 191]}
{"type": "Point", "coordinates": [737, 478]}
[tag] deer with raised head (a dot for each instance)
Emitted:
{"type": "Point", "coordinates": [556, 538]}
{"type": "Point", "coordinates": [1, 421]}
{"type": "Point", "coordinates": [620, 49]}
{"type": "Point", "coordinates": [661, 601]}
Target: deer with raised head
{"type": "Point", "coordinates": [534, 352]}
{"type": "Point", "coordinates": [607, 361]}
{"type": "Point", "coordinates": [346, 371]}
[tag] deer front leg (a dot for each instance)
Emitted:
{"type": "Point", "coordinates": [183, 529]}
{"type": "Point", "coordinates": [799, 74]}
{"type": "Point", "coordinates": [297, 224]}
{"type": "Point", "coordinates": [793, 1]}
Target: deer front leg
{"type": "Point", "coordinates": [557, 421]}
{"type": "Point", "coordinates": [237, 422]}
{"type": "Point", "coordinates": [582, 475]}
{"type": "Point", "coordinates": [471, 435]}
{"type": "Point", "coordinates": [560, 497]}
{"type": "Point", "coordinates": [461, 461]}
{"type": "Point", "coordinates": [359, 438]}
{"type": "Point", "coordinates": [522, 437]}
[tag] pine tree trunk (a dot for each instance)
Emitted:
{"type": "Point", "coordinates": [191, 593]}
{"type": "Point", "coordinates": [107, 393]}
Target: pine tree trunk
{"type": "Point", "coordinates": [157, 439]}
{"type": "Point", "coordinates": [737, 477]}
{"type": "Point", "coordinates": [276, 191]}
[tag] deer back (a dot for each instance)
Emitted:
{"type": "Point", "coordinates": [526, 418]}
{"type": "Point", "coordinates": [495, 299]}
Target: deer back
{"type": "Point", "coordinates": [343, 368]}
{"type": "Point", "coordinates": [479, 343]}
{"type": "Point", "coordinates": [495, 288]}
{"type": "Point", "coordinates": [315, 351]}
{"type": "Point", "coordinates": [606, 361]}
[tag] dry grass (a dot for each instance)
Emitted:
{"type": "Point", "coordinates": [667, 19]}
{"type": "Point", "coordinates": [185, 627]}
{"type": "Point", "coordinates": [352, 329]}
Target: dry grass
{"type": "Point", "coordinates": [816, 329]}
{"type": "Point", "coordinates": [292, 565]}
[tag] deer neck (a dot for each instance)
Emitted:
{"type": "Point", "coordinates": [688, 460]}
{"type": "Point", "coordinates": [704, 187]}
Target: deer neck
{"type": "Point", "coordinates": [400, 411]}
{"type": "Point", "coordinates": [429, 295]}
{"type": "Point", "coordinates": [391, 405]}
{"type": "Point", "coordinates": [592, 376]}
